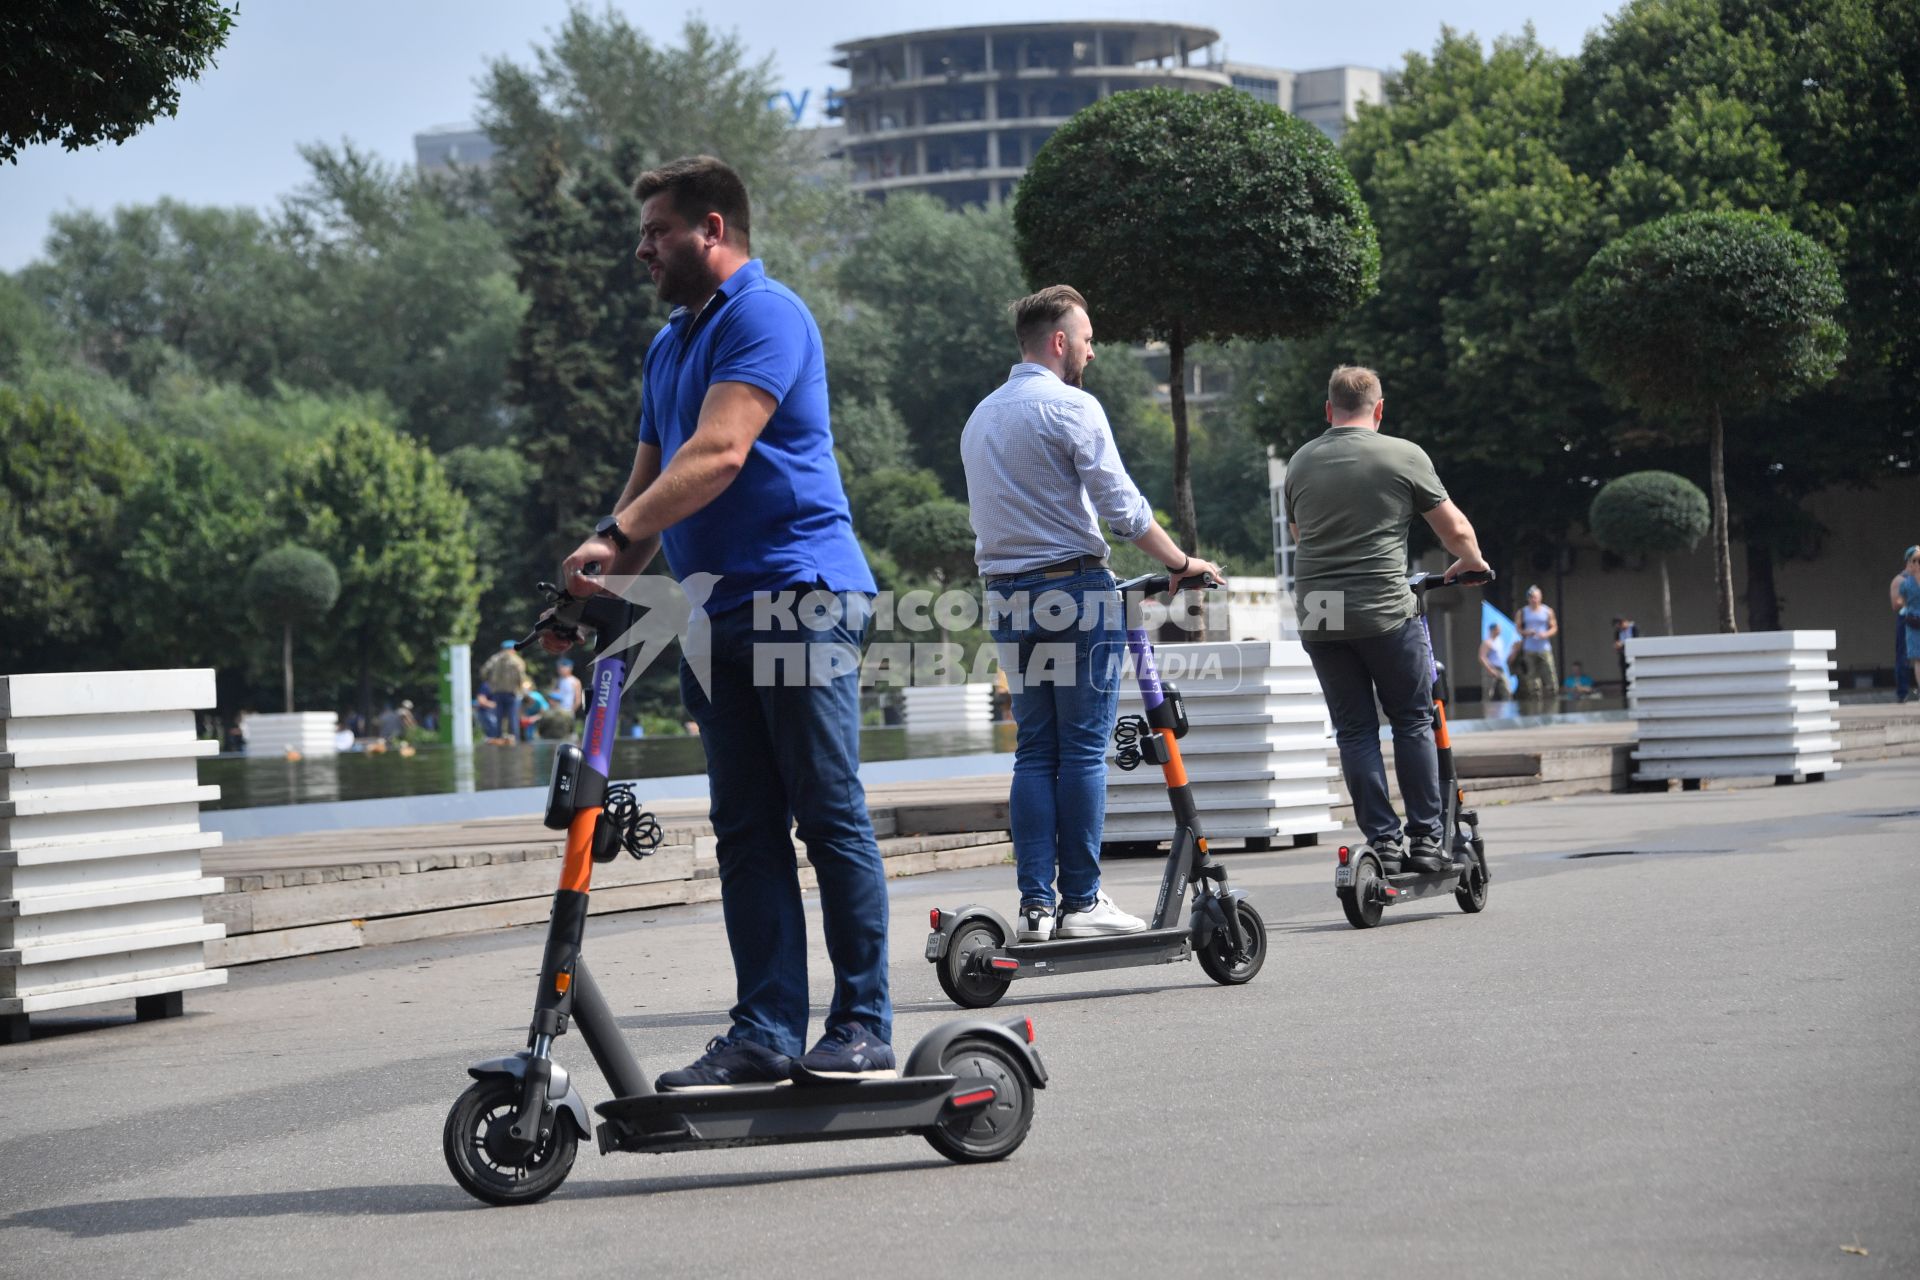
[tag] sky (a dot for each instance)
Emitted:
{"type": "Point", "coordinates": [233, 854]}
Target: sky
{"type": "Point", "coordinates": [378, 71]}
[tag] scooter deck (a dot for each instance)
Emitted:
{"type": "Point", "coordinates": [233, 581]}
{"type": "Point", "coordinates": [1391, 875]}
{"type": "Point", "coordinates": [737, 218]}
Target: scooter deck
{"type": "Point", "coordinates": [1427, 884]}
{"type": "Point", "coordinates": [764, 1114]}
{"type": "Point", "coordinates": [1106, 951]}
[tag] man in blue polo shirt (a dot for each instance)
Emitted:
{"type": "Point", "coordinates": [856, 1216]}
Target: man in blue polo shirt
{"type": "Point", "coordinates": [735, 476]}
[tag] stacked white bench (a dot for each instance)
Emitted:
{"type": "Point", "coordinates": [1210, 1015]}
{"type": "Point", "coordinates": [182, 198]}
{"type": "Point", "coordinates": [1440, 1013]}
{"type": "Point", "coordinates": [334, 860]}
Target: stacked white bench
{"type": "Point", "coordinates": [939, 708]}
{"type": "Point", "coordinates": [1733, 706]}
{"type": "Point", "coordinates": [1256, 750]}
{"type": "Point", "coordinates": [100, 842]}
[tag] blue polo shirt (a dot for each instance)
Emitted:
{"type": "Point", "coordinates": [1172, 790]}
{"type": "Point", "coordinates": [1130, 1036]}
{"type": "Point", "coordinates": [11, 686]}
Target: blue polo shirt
{"type": "Point", "coordinates": [784, 520]}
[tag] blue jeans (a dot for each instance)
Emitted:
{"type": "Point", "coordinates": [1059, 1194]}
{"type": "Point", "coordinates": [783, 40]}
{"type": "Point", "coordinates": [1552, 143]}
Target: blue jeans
{"type": "Point", "coordinates": [783, 750]}
{"type": "Point", "coordinates": [1902, 662]}
{"type": "Point", "coordinates": [1061, 641]}
{"type": "Point", "coordinates": [1398, 668]}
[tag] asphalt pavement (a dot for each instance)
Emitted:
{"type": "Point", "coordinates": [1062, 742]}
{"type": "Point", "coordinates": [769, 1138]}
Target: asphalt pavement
{"type": "Point", "coordinates": [1683, 1040]}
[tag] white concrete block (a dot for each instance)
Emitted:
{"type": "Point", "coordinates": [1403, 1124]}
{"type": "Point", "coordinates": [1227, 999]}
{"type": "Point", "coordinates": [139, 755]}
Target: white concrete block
{"type": "Point", "coordinates": [80, 693]}
{"type": "Point", "coordinates": [310, 733]}
{"type": "Point", "coordinates": [934, 707]}
{"type": "Point", "coordinates": [127, 990]}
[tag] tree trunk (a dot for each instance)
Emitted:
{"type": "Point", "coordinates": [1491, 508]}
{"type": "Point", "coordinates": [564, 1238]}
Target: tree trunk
{"type": "Point", "coordinates": [1666, 596]}
{"type": "Point", "coordinates": [1763, 596]}
{"type": "Point", "coordinates": [286, 662]}
{"type": "Point", "coordinates": [1722, 553]}
{"type": "Point", "coordinates": [366, 680]}
{"type": "Point", "coordinates": [1184, 517]}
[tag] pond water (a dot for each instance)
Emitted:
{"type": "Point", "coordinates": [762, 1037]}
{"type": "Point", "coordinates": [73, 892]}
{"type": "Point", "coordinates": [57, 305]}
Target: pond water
{"type": "Point", "coordinates": [252, 782]}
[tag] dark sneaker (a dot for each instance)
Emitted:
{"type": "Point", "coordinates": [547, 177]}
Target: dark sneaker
{"type": "Point", "coordinates": [1389, 852]}
{"type": "Point", "coordinates": [1426, 854]}
{"type": "Point", "coordinates": [1036, 923]}
{"type": "Point", "coordinates": [728, 1062]}
{"type": "Point", "coordinates": [848, 1051]}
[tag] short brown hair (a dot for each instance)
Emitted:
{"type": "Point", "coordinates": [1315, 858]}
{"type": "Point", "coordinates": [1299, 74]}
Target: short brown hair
{"type": "Point", "coordinates": [698, 186]}
{"type": "Point", "coordinates": [1039, 314]}
{"type": "Point", "coordinates": [1353, 389]}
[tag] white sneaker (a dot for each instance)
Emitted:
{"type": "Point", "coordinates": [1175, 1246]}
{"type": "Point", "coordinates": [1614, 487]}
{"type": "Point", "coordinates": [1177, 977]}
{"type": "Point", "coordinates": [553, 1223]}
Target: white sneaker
{"type": "Point", "coordinates": [1100, 919]}
{"type": "Point", "coordinates": [1036, 924]}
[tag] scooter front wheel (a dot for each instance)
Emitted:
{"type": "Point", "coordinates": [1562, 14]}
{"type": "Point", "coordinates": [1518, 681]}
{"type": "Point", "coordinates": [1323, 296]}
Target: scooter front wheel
{"type": "Point", "coordinates": [1218, 957]}
{"type": "Point", "coordinates": [1361, 902]}
{"type": "Point", "coordinates": [991, 1132]}
{"type": "Point", "coordinates": [1472, 893]}
{"type": "Point", "coordinates": [965, 983]}
{"type": "Point", "coordinates": [485, 1159]}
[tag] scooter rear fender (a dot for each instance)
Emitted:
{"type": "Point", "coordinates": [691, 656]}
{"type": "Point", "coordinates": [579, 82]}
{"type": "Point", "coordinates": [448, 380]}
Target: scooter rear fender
{"type": "Point", "coordinates": [950, 922]}
{"type": "Point", "coordinates": [926, 1056]}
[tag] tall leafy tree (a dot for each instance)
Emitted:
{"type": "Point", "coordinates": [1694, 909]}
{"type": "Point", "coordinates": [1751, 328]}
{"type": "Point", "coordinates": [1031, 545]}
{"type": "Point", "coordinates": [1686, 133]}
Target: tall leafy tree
{"type": "Point", "coordinates": [378, 506]}
{"type": "Point", "coordinates": [78, 74]}
{"type": "Point", "coordinates": [1702, 312]}
{"type": "Point", "coordinates": [1188, 219]}
{"type": "Point", "coordinates": [936, 283]}
{"type": "Point", "coordinates": [62, 479]}
{"type": "Point", "coordinates": [187, 530]}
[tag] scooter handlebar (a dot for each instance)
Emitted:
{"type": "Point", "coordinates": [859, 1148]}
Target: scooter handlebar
{"type": "Point", "coordinates": [1155, 584]}
{"type": "Point", "coordinates": [1434, 582]}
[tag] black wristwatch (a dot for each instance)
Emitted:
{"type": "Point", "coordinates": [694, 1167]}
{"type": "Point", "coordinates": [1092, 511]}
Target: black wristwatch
{"type": "Point", "coordinates": [609, 529]}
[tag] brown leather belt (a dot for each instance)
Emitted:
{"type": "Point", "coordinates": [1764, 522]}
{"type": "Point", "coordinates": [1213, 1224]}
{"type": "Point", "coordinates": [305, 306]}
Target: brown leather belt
{"type": "Point", "coordinates": [1064, 569]}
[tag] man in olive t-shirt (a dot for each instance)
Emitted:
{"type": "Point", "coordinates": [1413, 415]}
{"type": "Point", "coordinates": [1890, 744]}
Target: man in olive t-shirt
{"type": "Point", "coordinates": [1351, 494]}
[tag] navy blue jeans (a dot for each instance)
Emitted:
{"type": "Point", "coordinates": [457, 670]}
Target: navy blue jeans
{"type": "Point", "coordinates": [1397, 668]}
{"type": "Point", "coordinates": [1902, 663]}
{"type": "Point", "coordinates": [1060, 642]}
{"type": "Point", "coordinates": [782, 736]}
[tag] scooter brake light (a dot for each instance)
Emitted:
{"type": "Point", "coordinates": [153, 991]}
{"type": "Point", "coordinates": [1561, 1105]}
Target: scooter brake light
{"type": "Point", "coordinates": [1344, 851]}
{"type": "Point", "coordinates": [975, 1098]}
{"type": "Point", "coordinates": [933, 918]}
{"type": "Point", "coordinates": [1029, 1022]}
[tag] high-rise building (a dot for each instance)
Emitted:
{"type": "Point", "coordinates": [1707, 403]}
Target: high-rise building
{"type": "Point", "coordinates": [959, 112]}
{"type": "Point", "coordinates": [444, 146]}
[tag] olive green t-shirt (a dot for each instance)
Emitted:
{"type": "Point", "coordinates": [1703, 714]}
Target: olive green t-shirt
{"type": "Point", "coordinates": [1353, 492]}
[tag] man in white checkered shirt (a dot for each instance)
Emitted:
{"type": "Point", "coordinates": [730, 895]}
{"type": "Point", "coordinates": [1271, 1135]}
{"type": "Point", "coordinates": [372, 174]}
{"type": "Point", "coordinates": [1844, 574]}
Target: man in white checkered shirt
{"type": "Point", "coordinates": [1041, 471]}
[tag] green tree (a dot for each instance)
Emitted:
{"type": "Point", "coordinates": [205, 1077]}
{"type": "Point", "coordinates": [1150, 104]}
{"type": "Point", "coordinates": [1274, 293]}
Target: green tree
{"type": "Point", "coordinates": [378, 506]}
{"type": "Point", "coordinates": [883, 501]}
{"type": "Point", "coordinates": [600, 83]}
{"type": "Point", "coordinates": [406, 289]}
{"type": "Point", "coordinates": [1702, 312]}
{"type": "Point", "coordinates": [1650, 513]}
{"type": "Point", "coordinates": [498, 485]}
{"type": "Point", "coordinates": [290, 587]}
{"type": "Point", "coordinates": [1482, 225]}
{"type": "Point", "coordinates": [579, 405]}
{"type": "Point", "coordinates": [80, 74]}
{"type": "Point", "coordinates": [188, 529]}
{"type": "Point", "coordinates": [61, 482]}
{"type": "Point", "coordinates": [1189, 218]}
{"type": "Point", "coordinates": [156, 284]}
{"type": "Point", "coordinates": [936, 283]}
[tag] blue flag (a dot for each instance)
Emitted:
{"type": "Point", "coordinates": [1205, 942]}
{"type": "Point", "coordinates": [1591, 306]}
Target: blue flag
{"type": "Point", "coordinates": [1509, 637]}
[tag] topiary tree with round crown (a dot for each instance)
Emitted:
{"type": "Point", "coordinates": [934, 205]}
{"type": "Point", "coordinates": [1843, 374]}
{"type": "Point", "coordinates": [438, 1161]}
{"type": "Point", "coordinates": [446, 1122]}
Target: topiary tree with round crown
{"type": "Point", "coordinates": [1701, 313]}
{"type": "Point", "coordinates": [288, 587]}
{"type": "Point", "coordinates": [1193, 218]}
{"type": "Point", "coordinates": [1650, 513]}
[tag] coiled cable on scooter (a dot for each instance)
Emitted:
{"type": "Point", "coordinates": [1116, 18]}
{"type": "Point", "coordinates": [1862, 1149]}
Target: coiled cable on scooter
{"type": "Point", "coordinates": [637, 829]}
{"type": "Point", "coordinates": [1127, 736]}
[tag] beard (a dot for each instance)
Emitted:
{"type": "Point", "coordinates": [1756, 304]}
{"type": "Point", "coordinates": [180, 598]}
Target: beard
{"type": "Point", "coordinates": [684, 279]}
{"type": "Point", "coordinates": [1074, 375]}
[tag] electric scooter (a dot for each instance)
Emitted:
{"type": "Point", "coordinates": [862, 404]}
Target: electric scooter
{"type": "Point", "coordinates": [974, 951]}
{"type": "Point", "coordinates": [1364, 887]}
{"type": "Point", "coordinates": [511, 1138]}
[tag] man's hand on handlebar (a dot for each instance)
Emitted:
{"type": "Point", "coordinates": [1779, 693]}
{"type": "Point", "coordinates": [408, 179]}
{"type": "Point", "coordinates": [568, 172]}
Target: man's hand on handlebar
{"type": "Point", "coordinates": [580, 573]}
{"type": "Point", "coordinates": [1195, 573]}
{"type": "Point", "coordinates": [1466, 564]}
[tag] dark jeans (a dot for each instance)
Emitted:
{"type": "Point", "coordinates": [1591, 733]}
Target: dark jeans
{"type": "Point", "coordinates": [1060, 642]}
{"type": "Point", "coordinates": [1902, 658]}
{"type": "Point", "coordinates": [1397, 668]}
{"type": "Point", "coordinates": [783, 750]}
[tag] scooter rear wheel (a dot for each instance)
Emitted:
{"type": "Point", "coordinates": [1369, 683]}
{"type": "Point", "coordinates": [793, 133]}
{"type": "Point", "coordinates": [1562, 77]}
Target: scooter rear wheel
{"type": "Point", "coordinates": [1218, 958]}
{"type": "Point", "coordinates": [977, 1136]}
{"type": "Point", "coordinates": [963, 982]}
{"type": "Point", "coordinates": [1472, 893]}
{"type": "Point", "coordinates": [481, 1154]}
{"type": "Point", "coordinates": [1359, 902]}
